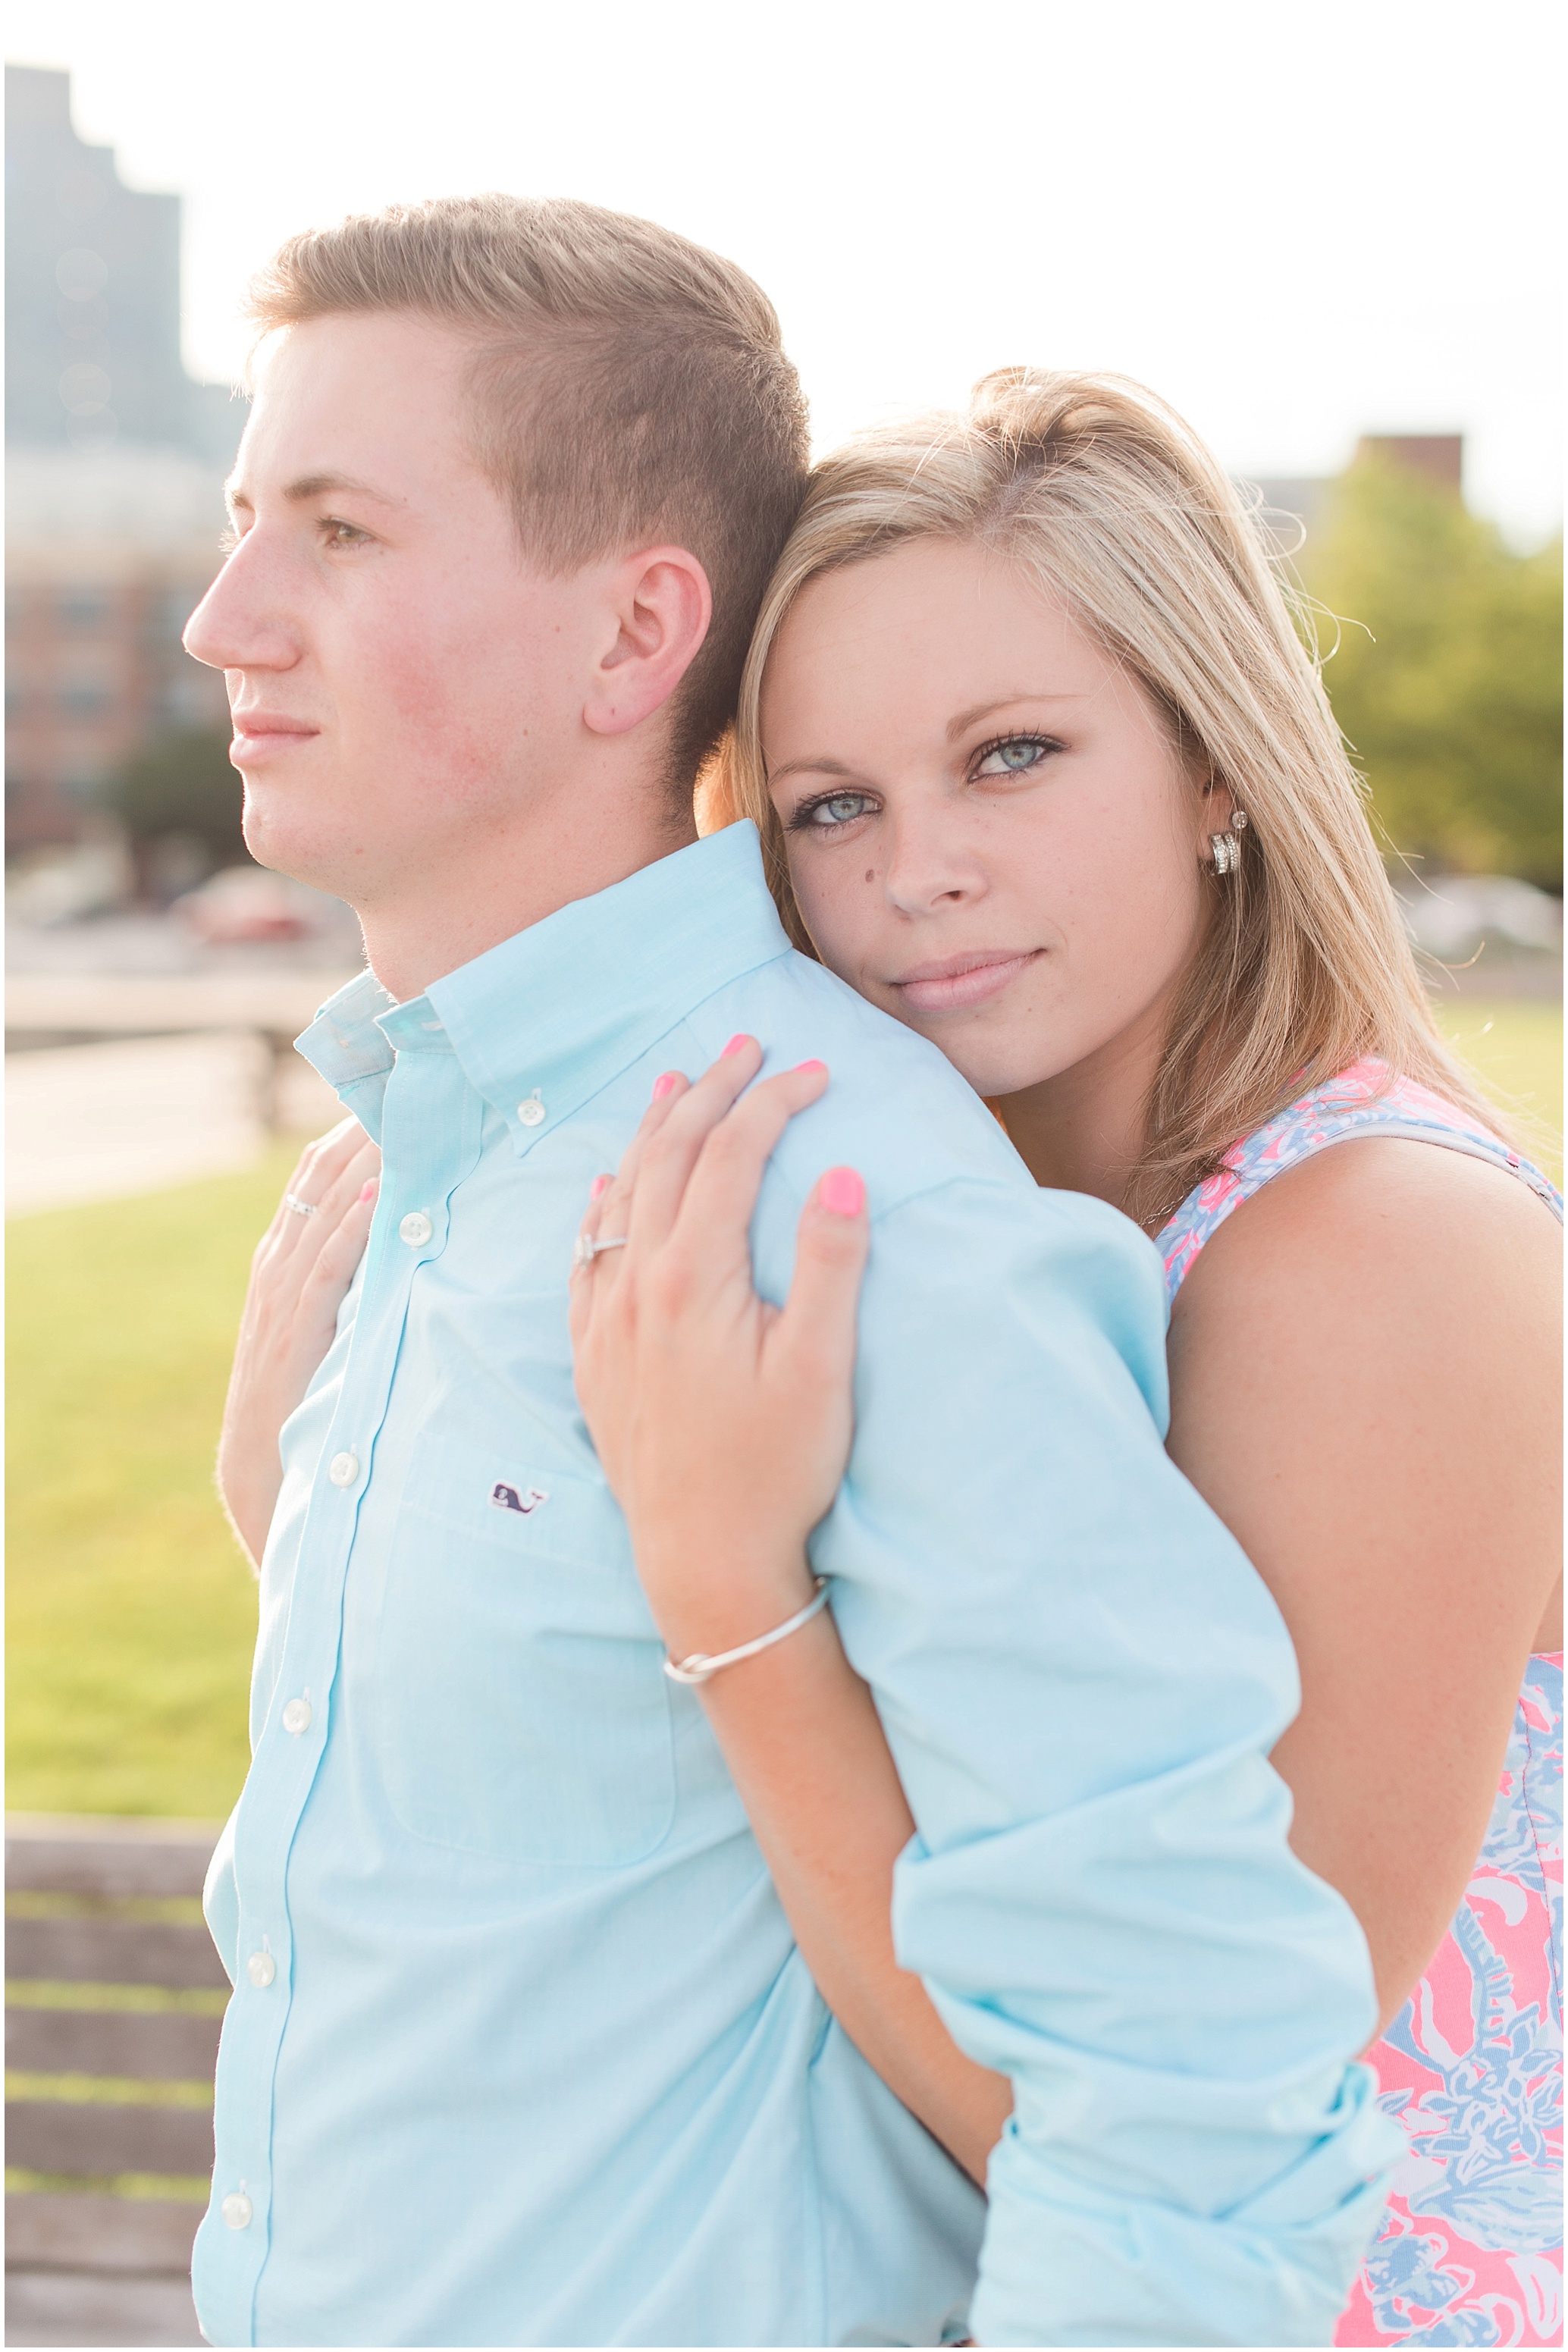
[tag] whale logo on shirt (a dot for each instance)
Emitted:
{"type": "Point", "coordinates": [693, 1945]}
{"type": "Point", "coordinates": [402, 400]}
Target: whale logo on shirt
{"type": "Point", "coordinates": [508, 1499]}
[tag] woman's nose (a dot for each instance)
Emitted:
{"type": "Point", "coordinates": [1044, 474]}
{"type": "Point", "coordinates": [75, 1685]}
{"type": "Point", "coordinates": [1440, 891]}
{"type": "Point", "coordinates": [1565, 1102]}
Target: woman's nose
{"type": "Point", "coordinates": [930, 866]}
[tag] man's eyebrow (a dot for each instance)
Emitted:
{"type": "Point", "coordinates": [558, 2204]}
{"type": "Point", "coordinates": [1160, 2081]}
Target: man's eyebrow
{"type": "Point", "coordinates": [1005, 702]}
{"type": "Point", "coordinates": [311, 486]}
{"type": "Point", "coordinates": [315, 486]}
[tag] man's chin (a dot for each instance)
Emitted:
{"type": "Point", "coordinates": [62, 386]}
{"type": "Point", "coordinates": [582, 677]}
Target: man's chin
{"type": "Point", "coordinates": [295, 850]}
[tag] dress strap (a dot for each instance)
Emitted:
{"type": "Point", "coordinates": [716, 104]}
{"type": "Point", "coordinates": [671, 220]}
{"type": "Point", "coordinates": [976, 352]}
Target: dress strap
{"type": "Point", "coordinates": [1366, 1099]}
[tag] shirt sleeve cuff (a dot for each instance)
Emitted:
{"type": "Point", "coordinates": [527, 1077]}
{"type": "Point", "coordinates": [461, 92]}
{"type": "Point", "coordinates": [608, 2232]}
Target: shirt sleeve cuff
{"type": "Point", "coordinates": [1066, 2265]}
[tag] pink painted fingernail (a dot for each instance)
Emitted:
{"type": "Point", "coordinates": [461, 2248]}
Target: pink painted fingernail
{"type": "Point", "coordinates": [737, 1043]}
{"type": "Point", "coordinates": [367, 1190]}
{"type": "Point", "coordinates": [811, 1065]}
{"type": "Point", "coordinates": [598, 1188]}
{"type": "Point", "coordinates": [665, 1086]}
{"type": "Point", "coordinates": [843, 1191]}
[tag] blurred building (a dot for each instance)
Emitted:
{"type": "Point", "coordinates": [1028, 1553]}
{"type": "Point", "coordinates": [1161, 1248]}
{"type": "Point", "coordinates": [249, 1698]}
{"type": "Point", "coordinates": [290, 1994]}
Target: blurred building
{"type": "Point", "coordinates": [1303, 498]}
{"type": "Point", "coordinates": [107, 556]}
{"type": "Point", "coordinates": [92, 296]}
{"type": "Point", "coordinates": [115, 460]}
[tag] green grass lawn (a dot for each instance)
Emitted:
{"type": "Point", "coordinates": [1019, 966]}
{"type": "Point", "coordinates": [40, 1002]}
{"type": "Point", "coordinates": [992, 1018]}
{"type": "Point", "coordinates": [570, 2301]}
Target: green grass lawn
{"type": "Point", "coordinates": [130, 1609]}
{"type": "Point", "coordinates": [132, 1613]}
{"type": "Point", "coordinates": [1514, 1045]}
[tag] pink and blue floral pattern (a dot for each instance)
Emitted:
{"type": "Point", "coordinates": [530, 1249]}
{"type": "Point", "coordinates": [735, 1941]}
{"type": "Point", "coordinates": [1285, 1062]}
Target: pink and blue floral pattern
{"type": "Point", "coordinates": [1471, 2249]}
{"type": "Point", "coordinates": [1367, 1099]}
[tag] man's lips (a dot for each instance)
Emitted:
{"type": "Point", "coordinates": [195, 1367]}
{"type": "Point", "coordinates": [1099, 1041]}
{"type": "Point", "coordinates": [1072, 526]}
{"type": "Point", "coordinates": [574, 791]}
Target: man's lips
{"type": "Point", "coordinates": [258, 731]}
{"type": "Point", "coordinates": [958, 982]}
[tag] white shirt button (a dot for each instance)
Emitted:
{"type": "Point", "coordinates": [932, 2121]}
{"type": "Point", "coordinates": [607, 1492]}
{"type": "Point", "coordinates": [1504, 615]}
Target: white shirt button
{"type": "Point", "coordinates": [297, 1716]}
{"type": "Point", "coordinates": [261, 1968]}
{"type": "Point", "coordinates": [415, 1228]}
{"type": "Point", "coordinates": [237, 2210]}
{"type": "Point", "coordinates": [532, 1112]}
{"type": "Point", "coordinates": [344, 1469]}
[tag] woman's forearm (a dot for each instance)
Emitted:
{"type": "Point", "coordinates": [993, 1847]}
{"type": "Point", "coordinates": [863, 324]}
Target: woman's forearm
{"type": "Point", "coordinates": [724, 1424]}
{"type": "Point", "coordinates": [806, 1750]}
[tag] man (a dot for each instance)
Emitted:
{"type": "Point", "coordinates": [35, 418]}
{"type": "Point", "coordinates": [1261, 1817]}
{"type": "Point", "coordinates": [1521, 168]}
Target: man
{"type": "Point", "coordinates": [520, 2050]}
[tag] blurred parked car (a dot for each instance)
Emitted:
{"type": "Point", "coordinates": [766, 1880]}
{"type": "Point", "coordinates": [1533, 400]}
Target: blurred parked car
{"type": "Point", "coordinates": [67, 883]}
{"type": "Point", "coordinates": [245, 904]}
{"type": "Point", "coordinates": [1452, 915]}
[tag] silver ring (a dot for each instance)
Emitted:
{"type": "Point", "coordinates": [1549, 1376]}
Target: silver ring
{"type": "Point", "coordinates": [585, 1249]}
{"type": "Point", "coordinates": [300, 1208]}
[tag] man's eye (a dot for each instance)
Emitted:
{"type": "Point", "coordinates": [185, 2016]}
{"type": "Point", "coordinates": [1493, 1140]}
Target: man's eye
{"type": "Point", "coordinates": [1014, 756]}
{"type": "Point", "coordinates": [341, 534]}
{"type": "Point", "coordinates": [839, 808]}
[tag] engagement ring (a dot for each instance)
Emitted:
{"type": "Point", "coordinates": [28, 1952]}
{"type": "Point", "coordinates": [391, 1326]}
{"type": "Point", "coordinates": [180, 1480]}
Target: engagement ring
{"type": "Point", "coordinates": [585, 1249]}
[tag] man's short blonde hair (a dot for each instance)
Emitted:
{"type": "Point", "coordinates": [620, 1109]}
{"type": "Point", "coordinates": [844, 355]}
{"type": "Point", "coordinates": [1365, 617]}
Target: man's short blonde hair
{"type": "Point", "coordinates": [626, 386]}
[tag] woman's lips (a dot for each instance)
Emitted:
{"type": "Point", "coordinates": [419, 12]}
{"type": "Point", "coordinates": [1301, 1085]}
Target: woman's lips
{"type": "Point", "coordinates": [961, 981]}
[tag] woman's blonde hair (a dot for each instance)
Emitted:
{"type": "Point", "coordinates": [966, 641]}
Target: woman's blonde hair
{"type": "Point", "coordinates": [1106, 499]}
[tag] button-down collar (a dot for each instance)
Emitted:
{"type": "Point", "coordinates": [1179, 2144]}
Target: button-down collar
{"type": "Point", "coordinates": [545, 1019]}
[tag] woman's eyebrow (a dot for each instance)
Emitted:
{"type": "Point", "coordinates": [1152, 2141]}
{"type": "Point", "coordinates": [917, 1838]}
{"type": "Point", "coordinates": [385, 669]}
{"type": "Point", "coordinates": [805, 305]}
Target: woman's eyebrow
{"type": "Point", "coordinates": [821, 766]}
{"type": "Point", "coordinates": [1006, 702]}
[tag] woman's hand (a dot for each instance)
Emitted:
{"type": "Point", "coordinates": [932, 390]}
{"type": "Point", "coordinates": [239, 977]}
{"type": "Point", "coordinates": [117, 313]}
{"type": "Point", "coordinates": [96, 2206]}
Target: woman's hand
{"type": "Point", "coordinates": [723, 1423]}
{"type": "Point", "coordinates": [302, 1267]}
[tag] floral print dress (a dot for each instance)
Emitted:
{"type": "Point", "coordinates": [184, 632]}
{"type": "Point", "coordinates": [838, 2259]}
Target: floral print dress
{"type": "Point", "coordinates": [1471, 2248]}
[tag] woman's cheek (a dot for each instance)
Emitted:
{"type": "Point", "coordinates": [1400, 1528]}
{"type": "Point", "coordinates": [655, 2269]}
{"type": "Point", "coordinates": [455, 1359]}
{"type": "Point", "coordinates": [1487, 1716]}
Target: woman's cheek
{"type": "Point", "coordinates": [1136, 937]}
{"type": "Point", "coordinates": [830, 909]}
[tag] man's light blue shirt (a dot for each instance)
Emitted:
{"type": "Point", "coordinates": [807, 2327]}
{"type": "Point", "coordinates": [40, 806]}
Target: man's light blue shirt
{"type": "Point", "coordinates": [521, 2049]}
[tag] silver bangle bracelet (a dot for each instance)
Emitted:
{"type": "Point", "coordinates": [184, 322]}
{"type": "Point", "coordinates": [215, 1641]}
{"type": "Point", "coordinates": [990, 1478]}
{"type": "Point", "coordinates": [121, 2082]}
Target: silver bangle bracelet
{"type": "Point", "coordinates": [699, 1666]}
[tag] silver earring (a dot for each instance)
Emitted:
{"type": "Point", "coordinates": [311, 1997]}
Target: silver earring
{"type": "Point", "coordinates": [1225, 846]}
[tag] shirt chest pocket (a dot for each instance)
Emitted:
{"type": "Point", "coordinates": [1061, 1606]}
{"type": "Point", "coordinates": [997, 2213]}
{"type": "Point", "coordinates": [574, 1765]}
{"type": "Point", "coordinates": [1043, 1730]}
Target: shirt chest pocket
{"type": "Point", "coordinates": [525, 1709]}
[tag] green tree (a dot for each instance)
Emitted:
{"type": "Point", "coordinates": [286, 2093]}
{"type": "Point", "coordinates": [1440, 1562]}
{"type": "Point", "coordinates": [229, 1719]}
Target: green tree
{"type": "Point", "coordinates": [183, 782]}
{"type": "Point", "coordinates": [1447, 676]}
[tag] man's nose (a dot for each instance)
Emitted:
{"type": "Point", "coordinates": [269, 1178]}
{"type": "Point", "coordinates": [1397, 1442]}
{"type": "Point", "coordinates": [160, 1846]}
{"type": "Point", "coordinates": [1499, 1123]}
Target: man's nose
{"type": "Point", "coordinates": [239, 623]}
{"type": "Point", "coordinates": [931, 865]}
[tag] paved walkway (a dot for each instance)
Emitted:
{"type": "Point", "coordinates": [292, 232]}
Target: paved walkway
{"type": "Point", "coordinates": [93, 1122]}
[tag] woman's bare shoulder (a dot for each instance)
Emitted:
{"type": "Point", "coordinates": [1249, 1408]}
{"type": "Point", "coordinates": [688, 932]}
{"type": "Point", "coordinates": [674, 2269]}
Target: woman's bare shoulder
{"type": "Point", "coordinates": [1371, 1222]}
{"type": "Point", "coordinates": [1385, 1299]}
{"type": "Point", "coordinates": [1372, 1344]}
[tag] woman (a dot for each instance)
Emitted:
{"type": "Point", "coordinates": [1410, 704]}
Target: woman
{"type": "Point", "coordinates": [1042, 769]}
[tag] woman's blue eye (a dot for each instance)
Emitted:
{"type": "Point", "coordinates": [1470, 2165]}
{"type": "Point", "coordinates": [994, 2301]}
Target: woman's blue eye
{"type": "Point", "coordinates": [1016, 757]}
{"type": "Point", "coordinates": [842, 809]}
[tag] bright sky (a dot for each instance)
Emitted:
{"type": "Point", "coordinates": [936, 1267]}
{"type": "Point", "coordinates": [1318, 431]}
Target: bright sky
{"type": "Point", "coordinates": [1297, 223]}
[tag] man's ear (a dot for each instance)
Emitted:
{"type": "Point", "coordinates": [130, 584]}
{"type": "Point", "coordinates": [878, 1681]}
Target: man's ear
{"type": "Point", "coordinates": [656, 611]}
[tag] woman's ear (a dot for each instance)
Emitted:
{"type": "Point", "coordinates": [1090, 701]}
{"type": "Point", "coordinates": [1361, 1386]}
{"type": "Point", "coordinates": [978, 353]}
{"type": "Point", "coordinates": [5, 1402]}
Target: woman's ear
{"type": "Point", "coordinates": [656, 612]}
{"type": "Point", "coordinates": [1216, 805]}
